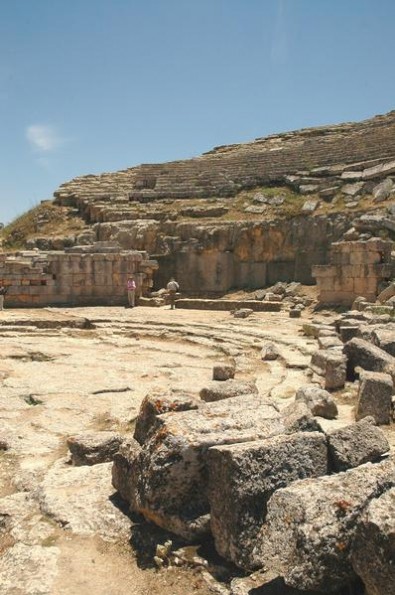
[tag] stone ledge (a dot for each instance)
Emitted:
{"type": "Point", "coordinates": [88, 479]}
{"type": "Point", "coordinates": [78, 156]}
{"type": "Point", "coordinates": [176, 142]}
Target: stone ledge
{"type": "Point", "coordinates": [228, 305]}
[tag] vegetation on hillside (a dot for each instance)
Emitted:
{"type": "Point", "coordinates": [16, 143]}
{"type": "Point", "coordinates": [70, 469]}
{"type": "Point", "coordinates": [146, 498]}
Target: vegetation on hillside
{"type": "Point", "coordinates": [43, 220]}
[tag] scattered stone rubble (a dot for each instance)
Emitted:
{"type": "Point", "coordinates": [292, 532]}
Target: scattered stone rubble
{"type": "Point", "coordinates": [275, 489]}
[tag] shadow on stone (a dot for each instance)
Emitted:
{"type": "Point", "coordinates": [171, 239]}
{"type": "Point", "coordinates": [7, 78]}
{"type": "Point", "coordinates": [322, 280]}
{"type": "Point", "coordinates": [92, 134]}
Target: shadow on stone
{"type": "Point", "coordinates": [278, 587]}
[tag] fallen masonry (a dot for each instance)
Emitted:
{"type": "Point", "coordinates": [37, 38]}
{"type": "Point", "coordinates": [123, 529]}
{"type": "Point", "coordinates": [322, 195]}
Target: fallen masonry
{"type": "Point", "coordinates": [277, 491]}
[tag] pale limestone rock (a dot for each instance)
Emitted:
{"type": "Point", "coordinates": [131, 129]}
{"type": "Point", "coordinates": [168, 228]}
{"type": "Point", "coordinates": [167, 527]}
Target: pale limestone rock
{"type": "Point", "coordinates": [28, 570]}
{"type": "Point", "coordinates": [79, 499]}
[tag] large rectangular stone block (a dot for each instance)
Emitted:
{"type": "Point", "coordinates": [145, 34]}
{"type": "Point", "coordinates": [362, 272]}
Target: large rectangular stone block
{"type": "Point", "coordinates": [242, 478]}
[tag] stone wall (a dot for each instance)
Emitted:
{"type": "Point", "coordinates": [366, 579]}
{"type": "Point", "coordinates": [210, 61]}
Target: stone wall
{"type": "Point", "coordinates": [214, 258]}
{"type": "Point", "coordinates": [94, 275]}
{"type": "Point", "coordinates": [355, 269]}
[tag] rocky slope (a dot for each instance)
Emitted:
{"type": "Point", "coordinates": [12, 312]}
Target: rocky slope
{"type": "Point", "coordinates": [241, 215]}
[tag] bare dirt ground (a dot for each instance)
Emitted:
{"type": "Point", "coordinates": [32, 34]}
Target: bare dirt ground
{"type": "Point", "coordinates": [62, 528]}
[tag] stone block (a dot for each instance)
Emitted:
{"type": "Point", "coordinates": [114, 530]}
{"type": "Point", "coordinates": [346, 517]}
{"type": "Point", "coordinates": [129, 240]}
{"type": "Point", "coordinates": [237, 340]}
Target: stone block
{"type": "Point", "coordinates": [269, 351]}
{"type": "Point", "coordinates": [331, 365]}
{"type": "Point", "coordinates": [356, 444]}
{"type": "Point", "coordinates": [297, 417]}
{"type": "Point", "coordinates": [242, 478]}
{"type": "Point", "coordinates": [385, 339]}
{"type": "Point", "coordinates": [375, 397]}
{"type": "Point", "coordinates": [373, 549]}
{"type": "Point", "coordinates": [311, 524]}
{"type": "Point", "coordinates": [330, 342]}
{"type": "Point", "coordinates": [319, 401]}
{"type": "Point", "coordinates": [223, 371]}
{"type": "Point", "coordinates": [368, 356]}
{"type": "Point", "coordinates": [93, 447]}
{"type": "Point", "coordinates": [348, 332]}
{"type": "Point", "coordinates": [216, 391]}
{"type": "Point", "coordinates": [167, 480]}
{"type": "Point", "coordinates": [156, 404]}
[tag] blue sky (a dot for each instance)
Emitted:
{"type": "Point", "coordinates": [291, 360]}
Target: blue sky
{"type": "Point", "coordinates": [88, 86]}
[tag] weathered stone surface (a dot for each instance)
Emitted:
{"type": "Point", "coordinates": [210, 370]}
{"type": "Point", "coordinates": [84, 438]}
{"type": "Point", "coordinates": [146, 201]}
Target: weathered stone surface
{"type": "Point", "coordinates": [216, 391]}
{"type": "Point", "coordinates": [311, 524]}
{"type": "Point", "coordinates": [269, 351]}
{"type": "Point", "coordinates": [242, 478]}
{"type": "Point", "coordinates": [27, 569]}
{"type": "Point", "coordinates": [373, 549]}
{"type": "Point", "coordinates": [370, 357]}
{"type": "Point", "coordinates": [21, 521]}
{"type": "Point", "coordinates": [298, 418]}
{"type": "Point", "coordinates": [374, 397]}
{"type": "Point", "coordinates": [157, 403]}
{"type": "Point", "coordinates": [78, 499]}
{"type": "Point", "coordinates": [167, 480]}
{"type": "Point", "coordinates": [124, 467]}
{"type": "Point", "coordinates": [356, 444]}
{"type": "Point", "coordinates": [319, 401]}
{"type": "Point", "coordinates": [383, 190]}
{"type": "Point", "coordinates": [385, 339]}
{"type": "Point", "coordinates": [93, 447]}
{"type": "Point", "coordinates": [331, 365]}
{"type": "Point", "coordinates": [352, 189]}
{"type": "Point", "coordinates": [83, 275]}
{"type": "Point", "coordinates": [243, 312]}
{"type": "Point", "coordinates": [223, 371]}
{"type": "Point", "coordinates": [387, 293]}
{"type": "Point", "coordinates": [331, 342]}
{"type": "Point", "coordinates": [314, 329]}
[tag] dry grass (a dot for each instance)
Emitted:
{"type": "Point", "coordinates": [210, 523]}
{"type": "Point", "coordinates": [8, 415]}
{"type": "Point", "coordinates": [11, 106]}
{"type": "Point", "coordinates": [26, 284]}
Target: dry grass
{"type": "Point", "coordinates": [43, 220]}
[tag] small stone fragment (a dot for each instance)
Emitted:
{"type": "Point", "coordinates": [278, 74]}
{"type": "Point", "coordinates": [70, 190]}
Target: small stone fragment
{"type": "Point", "coordinates": [269, 351]}
{"type": "Point", "coordinates": [223, 371]}
{"type": "Point", "coordinates": [319, 401]}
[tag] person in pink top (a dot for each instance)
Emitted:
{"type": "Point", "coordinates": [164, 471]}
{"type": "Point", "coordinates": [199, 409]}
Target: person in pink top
{"type": "Point", "coordinates": [131, 288]}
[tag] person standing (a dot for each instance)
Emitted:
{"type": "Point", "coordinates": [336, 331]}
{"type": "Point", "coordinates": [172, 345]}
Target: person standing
{"type": "Point", "coordinates": [172, 288]}
{"type": "Point", "coordinates": [131, 289]}
{"type": "Point", "coordinates": [3, 291]}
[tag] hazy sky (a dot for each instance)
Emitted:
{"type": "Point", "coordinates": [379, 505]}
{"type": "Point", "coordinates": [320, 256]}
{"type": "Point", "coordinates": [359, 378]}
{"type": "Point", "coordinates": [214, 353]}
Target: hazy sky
{"type": "Point", "coordinates": [95, 85]}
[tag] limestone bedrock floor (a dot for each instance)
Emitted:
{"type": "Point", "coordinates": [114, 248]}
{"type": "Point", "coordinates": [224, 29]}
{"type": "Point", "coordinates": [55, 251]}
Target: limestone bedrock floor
{"type": "Point", "coordinates": [61, 531]}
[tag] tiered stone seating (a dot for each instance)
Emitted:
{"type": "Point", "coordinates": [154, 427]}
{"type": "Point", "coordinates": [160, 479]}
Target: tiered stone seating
{"type": "Point", "coordinates": [226, 170]}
